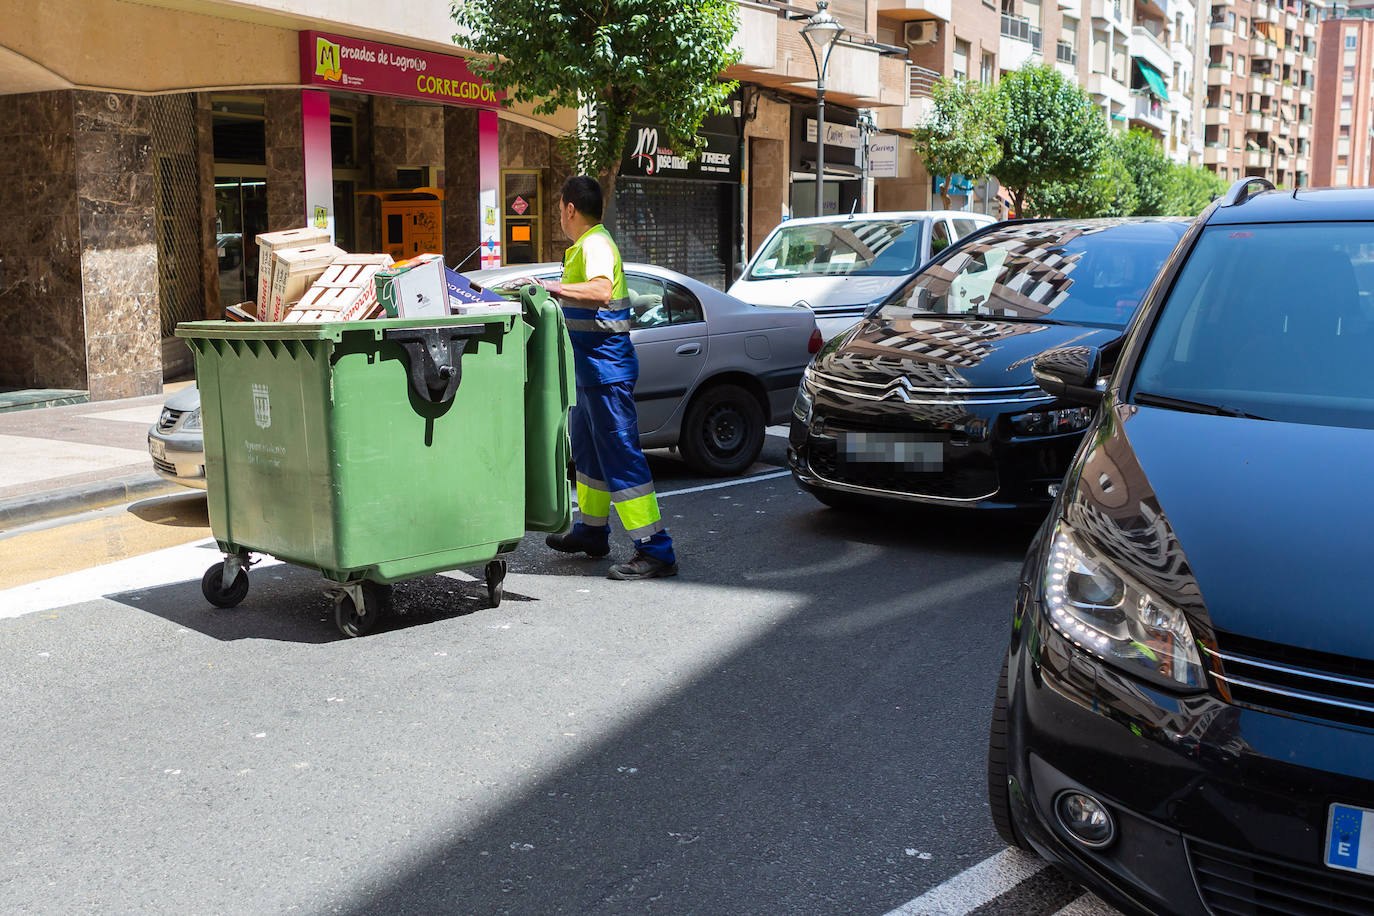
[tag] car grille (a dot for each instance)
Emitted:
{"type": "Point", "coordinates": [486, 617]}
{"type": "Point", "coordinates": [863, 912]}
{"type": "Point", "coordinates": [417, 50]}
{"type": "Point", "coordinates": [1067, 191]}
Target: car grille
{"type": "Point", "coordinates": [1298, 681]}
{"type": "Point", "coordinates": [168, 419]}
{"type": "Point", "coordinates": [165, 467]}
{"type": "Point", "coordinates": [958, 482]}
{"type": "Point", "coordinates": [1241, 884]}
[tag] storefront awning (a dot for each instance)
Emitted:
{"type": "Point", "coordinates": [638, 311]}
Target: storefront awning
{"type": "Point", "coordinates": [1154, 79]}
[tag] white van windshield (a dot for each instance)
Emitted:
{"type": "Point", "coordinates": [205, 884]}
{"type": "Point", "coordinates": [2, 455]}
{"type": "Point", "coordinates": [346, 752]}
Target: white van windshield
{"type": "Point", "coordinates": [860, 248]}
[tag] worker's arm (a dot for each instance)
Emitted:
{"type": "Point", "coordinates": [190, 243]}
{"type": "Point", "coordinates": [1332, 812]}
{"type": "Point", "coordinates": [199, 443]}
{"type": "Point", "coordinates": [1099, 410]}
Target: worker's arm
{"type": "Point", "coordinates": [593, 294]}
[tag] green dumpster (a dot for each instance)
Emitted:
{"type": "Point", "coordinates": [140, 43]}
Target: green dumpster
{"type": "Point", "coordinates": [377, 451]}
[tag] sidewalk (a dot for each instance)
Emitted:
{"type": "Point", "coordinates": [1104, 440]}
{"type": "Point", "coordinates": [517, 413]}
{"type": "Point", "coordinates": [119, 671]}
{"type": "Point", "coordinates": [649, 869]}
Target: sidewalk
{"type": "Point", "coordinates": [62, 460]}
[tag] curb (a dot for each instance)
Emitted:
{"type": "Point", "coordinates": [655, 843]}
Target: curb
{"type": "Point", "coordinates": [25, 510]}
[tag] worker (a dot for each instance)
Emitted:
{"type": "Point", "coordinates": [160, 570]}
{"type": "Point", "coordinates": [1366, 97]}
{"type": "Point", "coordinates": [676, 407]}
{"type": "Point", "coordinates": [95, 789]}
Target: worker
{"type": "Point", "coordinates": [610, 466]}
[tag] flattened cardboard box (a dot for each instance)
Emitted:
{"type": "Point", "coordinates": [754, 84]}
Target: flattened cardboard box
{"type": "Point", "coordinates": [270, 242]}
{"type": "Point", "coordinates": [293, 272]}
{"type": "Point", "coordinates": [415, 288]}
{"type": "Point", "coordinates": [344, 292]}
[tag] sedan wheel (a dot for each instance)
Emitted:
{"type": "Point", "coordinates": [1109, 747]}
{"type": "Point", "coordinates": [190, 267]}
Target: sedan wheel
{"type": "Point", "coordinates": [723, 431]}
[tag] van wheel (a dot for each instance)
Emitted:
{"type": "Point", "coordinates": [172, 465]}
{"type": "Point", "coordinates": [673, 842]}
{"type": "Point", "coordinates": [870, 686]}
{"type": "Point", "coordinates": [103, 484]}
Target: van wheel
{"type": "Point", "coordinates": [723, 431]}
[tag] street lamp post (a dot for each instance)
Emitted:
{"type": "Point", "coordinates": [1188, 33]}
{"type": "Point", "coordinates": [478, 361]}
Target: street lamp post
{"type": "Point", "coordinates": [821, 31]}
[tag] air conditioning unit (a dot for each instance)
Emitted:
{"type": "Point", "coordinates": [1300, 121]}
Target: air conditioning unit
{"type": "Point", "coordinates": [921, 32]}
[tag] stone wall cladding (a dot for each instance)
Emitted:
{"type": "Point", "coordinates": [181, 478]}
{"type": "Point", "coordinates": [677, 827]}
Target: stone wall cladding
{"type": "Point", "coordinates": [40, 245]}
{"type": "Point", "coordinates": [119, 278]}
{"type": "Point", "coordinates": [285, 160]}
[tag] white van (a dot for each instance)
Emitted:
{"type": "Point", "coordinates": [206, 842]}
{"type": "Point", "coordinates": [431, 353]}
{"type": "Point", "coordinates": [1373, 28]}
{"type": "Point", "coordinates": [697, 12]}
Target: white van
{"type": "Point", "coordinates": [838, 266]}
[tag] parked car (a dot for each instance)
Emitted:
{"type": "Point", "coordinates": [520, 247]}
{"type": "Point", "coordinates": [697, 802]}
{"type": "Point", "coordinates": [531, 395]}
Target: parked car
{"type": "Point", "coordinates": [713, 371]}
{"type": "Point", "coordinates": [930, 398]}
{"type": "Point", "coordinates": [839, 266]}
{"type": "Point", "coordinates": [176, 442]}
{"type": "Point", "coordinates": [1185, 716]}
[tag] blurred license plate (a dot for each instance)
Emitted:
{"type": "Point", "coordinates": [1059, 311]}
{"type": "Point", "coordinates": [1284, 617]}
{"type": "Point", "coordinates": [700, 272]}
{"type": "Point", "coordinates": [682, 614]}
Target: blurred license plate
{"type": "Point", "coordinates": [1350, 839]}
{"type": "Point", "coordinates": [908, 452]}
{"type": "Point", "coordinates": [157, 449]}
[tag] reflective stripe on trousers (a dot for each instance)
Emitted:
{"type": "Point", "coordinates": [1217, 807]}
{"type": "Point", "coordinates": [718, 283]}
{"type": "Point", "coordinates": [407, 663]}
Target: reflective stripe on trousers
{"type": "Point", "coordinates": [611, 468]}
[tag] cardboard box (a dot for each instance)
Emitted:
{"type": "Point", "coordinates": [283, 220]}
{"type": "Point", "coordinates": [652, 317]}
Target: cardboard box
{"type": "Point", "coordinates": [467, 298]}
{"type": "Point", "coordinates": [294, 270]}
{"type": "Point", "coordinates": [379, 260]}
{"type": "Point", "coordinates": [414, 288]}
{"type": "Point", "coordinates": [272, 242]}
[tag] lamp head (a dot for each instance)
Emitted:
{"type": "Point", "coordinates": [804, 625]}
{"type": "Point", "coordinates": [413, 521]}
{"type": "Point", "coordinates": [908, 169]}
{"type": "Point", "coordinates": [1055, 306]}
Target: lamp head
{"type": "Point", "coordinates": [822, 30]}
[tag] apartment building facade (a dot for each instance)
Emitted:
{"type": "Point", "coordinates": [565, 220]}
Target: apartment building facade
{"type": "Point", "coordinates": [1342, 146]}
{"type": "Point", "coordinates": [1261, 79]}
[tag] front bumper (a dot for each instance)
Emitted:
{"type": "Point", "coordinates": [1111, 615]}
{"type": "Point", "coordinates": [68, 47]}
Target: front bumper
{"type": "Point", "coordinates": [179, 459]}
{"type": "Point", "coordinates": [1219, 808]}
{"type": "Point", "coordinates": [983, 467]}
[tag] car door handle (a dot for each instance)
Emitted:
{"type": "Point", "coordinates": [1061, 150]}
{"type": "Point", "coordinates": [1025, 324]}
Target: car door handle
{"type": "Point", "coordinates": [689, 349]}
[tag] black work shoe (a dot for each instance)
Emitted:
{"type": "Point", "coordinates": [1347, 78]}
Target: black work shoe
{"type": "Point", "coordinates": [642, 566]}
{"type": "Point", "coordinates": [571, 543]}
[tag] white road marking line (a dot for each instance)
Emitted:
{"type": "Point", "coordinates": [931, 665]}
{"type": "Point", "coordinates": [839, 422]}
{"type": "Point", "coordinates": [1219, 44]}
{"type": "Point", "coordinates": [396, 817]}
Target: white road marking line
{"type": "Point", "coordinates": [970, 889]}
{"type": "Point", "coordinates": [186, 562]}
{"type": "Point", "coordinates": [1088, 905]}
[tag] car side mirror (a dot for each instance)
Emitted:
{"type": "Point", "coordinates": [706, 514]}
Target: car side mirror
{"type": "Point", "coordinates": [1070, 373]}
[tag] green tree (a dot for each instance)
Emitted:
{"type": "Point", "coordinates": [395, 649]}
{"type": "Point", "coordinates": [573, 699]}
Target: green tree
{"type": "Point", "coordinates": [1143, 158]}
{"type": "Point", "coordinates": [1110, 191]}
{"type": "Point", "coordinates": [959, 137]}
{"type": "Point", "coordinates": [1050, 132]}
{"type": "Point", "coordinates": [1190, 189]}
{"type": "Point", "coordinates": [659, 60]}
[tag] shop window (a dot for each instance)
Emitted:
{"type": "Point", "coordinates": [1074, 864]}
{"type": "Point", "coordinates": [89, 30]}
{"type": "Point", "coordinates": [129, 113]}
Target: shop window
{"type": "Point", "coordinates": [343, 143]}
{"type": "Point", "coordinates": [239, 128]}
{"type": "Point", "coordinates": [522, 215]}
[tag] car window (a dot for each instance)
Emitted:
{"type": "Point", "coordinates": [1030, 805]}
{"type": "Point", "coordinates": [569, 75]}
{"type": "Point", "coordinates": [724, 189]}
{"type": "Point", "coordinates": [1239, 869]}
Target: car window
{"type": "Point", "coordinates": [854, 247]}
{"type": "Point", "coordinates": [647, 306]}
{"type": "Point", "coordinates": [963, 227]}
{"type": "Point", "coordinates": [683, 307]}
{"type": "Point", "coordinates": [1276, 321]}
{"type": "Point", "coordinates": [939, 236]}
{"type": "Point", "coordinates": [1092, 274]}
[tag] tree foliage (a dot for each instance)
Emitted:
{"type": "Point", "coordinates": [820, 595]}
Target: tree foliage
{"type": "Point", "coordinates": [1050, 132]}
{"type": "Point", "coordinates": [1191, 188]}
{"type": "Point", "coordinates": [656, 59]}
{"type": "Point", "coordinates": [1143, 158]}
{"type": "Point", "coordinates": [1110, 191]}
{"type": "Point", "coordinates": [959, 136]}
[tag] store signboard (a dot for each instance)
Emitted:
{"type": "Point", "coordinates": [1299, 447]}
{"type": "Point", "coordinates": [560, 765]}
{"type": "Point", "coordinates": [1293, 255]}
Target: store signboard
{"type": "Point", "coordinates": [356, 65]}
{"type": "Point", "coordinates": [648, 155]}
{"type": "Point", "coordinates": [882, 156]}
{"type": "Point", "coordinates": [835, 134]}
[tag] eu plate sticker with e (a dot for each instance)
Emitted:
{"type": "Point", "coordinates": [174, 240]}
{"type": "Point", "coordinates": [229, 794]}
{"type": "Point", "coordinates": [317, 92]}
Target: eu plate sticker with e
{"type": "Point", "coordinates": [1350, 839]}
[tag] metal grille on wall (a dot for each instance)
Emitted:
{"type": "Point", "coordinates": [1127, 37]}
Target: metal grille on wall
{"type": "Point", "coordinates": [180, 282]}
{"type": "Point", "coordinates": [680, 225]}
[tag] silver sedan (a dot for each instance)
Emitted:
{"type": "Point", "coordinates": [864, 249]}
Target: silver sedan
{"type": "Point", "coordinates": [713, 371]}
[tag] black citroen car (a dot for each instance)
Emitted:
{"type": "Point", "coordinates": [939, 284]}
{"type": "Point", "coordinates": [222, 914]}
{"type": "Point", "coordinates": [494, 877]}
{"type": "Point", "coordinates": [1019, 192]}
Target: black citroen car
{"type": "Point", "coordinates": [930, 399]}
{"type": "Point", "coordinates": [1185, 716]}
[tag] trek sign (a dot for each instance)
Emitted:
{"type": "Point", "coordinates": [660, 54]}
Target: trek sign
{"type": "Point", "coordinates": [356, 65]}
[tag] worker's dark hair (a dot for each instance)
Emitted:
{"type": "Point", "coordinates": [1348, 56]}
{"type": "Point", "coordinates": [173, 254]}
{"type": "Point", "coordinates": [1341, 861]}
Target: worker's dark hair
{"type": "Point", "coordinates": [584, 193]}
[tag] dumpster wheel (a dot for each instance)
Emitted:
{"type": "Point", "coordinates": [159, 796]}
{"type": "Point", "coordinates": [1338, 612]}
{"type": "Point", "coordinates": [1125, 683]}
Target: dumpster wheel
{"type": "Point", "coordinates": [355, 620]}
{"type": "Point", "coordinates": [212, 587]}
{"type": "Point", "coordinates": [496, 578]}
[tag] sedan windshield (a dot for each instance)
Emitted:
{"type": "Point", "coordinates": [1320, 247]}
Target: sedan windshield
{"type": "Point", "coordinates": [1084, 273]}
{"type": "Point", "coordinates": [860, 248]}
{"type": "Point", "coordinates": [1273, 321]}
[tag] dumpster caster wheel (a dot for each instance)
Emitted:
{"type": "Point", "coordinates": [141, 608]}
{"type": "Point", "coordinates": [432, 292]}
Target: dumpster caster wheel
{"type": "Point", "coordinates": [496, 578]}
{"type": "Point", "coordinates": [212, 587]}
{"type": "Point", "coordinates": [353, 621]}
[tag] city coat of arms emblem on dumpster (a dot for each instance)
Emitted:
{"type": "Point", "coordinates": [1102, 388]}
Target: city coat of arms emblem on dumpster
{"type": "Point", "coordinates": [262, 407]}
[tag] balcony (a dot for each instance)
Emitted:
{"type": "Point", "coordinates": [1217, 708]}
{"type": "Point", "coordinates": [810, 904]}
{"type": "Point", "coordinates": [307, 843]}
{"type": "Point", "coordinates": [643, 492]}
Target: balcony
{"type": "Point", "coordinates": [938, 9]}
{"type": "Point", "coordinates": [1304, 131]}
{"type": "Point", "coordinates": [1260, 10]}
{"type": "Point", "coordinates": [1288, 93]}
{"type": "Point", "coordinates": [1260, 84]}
{"type": "Point", "coordinates": [1221, 35]}
{"type": "Point", "coordinates": [1020, 42]}
{"type": "Point", "coordinates": [1305, 97]}
{"type": "Point", "coordinates": [1214, 155]}
{"type": "Point", "coordinates": [1217, 117]}
{"type": "Point", "coordinates": [1103, 86]}
{"type": "Point", "coordinates": [1149, 110]}
{"type": "Point", "coordinates": [1258, 159]}
{"type": "Point", "coordinates": [920, 81]}
{"type": "Point", "coordinates": [1065, 53]}
{"type": "Point", "coordinates": [1309, 29]}
{"type": "Point", "coordinates": [1147, 46]}
{"type": "Point", "coordinates": [1263, 49]}
{"type": "Point", "coordinates": [1110, 11]}
{"type": "Point", "coordinates": [1290, 57]}
{"type": "Point", "coordinates": [1259, 122]}
{"type": "Point", "coordinates": [1218, 75]}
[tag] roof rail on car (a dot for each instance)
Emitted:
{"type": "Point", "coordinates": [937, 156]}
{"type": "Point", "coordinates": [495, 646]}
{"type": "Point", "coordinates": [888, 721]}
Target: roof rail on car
{"type": "Point", "coordinates": [1239, 192]}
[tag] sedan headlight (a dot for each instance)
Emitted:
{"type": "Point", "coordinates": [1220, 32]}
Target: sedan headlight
{"type": "Point", "coordinates": [1052, 422]}
{"type": "Point", "coordinates": [191, 420]}
{"type": "Point", "coordinates": [1099, 608]}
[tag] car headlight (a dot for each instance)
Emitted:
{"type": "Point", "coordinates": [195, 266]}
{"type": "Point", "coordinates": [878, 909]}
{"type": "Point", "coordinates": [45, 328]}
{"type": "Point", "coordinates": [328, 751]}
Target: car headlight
{"type": "Point", "coordinates": [191, 420]}
{"type": "Point", "coordinates": [1099, 608]}
{"type": "Point", "coordinates": [804, 403]}
{"type": "Point", "coordinates": [1052, 422]}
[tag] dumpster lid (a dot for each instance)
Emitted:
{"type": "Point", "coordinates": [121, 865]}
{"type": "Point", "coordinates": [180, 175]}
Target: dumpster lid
{"type": "Point", "coordinates": [329, 330]}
